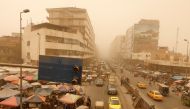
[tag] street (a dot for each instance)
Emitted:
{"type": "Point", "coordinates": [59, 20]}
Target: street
{"type": "Point", "coordinates": [100, 93]}
{"type": "Point", "coordinates": [170, 102]}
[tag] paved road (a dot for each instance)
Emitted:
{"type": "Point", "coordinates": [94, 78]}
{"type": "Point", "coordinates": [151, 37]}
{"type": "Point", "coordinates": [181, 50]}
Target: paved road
{"type": "Point", "coordinates": [170, 102]}
{"type": "Point", "coordinates": [100, 93]}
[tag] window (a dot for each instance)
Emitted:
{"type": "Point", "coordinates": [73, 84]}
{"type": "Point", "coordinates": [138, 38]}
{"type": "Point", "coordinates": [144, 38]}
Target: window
{"type": "Point", "coordinates": [28, 43]}
{"type": "Point", "coordinates": [28, 55]}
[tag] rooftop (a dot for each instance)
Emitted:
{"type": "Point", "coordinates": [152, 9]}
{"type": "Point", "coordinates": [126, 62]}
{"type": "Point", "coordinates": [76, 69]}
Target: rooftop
{"type": "Point", "coordinates": [54, 27]}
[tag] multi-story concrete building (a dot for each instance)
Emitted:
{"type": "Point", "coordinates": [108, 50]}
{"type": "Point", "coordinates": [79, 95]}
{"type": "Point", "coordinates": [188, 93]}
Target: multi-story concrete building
{"type": "Point", "coordinates": [69, 33]}
{"type": "Point", "coordinates": [142, 39]}
{"type": "Point", "coordinates": [117, 46]}
{"type": "Point", "coordinates": [10, 49]}
{"type": "Point", "coordinates": [75, 18]}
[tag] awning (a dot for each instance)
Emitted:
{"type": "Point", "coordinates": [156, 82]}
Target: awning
{"type": "Point", "coordinates": [188, 85]}
{"type": "Point", "coordinates": [177, 77]}
{"type": "Point", "coordinates": [36, 99]}
{"type": "Point", "coordinates": [11, 78]}
{"type": "Point", "coordinates": [69, 98]}
{"type": "Point", "coordinates": [44, 91]}
{"type": "Point", "coordinates": [10, 86]}
{"type": "Point", "coordinates": [12, 101]}
{"type": "Point", "coordinates": [5, 93]}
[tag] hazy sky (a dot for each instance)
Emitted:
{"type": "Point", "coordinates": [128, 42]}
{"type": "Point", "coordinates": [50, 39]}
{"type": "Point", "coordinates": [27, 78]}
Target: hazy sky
{"type": "Point", "coordinates": [109, 17]}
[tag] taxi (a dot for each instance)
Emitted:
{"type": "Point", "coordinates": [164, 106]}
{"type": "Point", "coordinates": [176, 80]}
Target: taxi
{"type": "Point", "coordinates": [114, 103]}
{"type": "Point", "coordinates": [141, 85]}
{"type": "Point", "coordinates": [155, 95]}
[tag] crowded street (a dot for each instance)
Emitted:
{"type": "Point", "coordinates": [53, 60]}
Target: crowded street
{"type": "Point", "coordinates": [173, 101]}
{"type": "Point", "coordinates": [95, 54]}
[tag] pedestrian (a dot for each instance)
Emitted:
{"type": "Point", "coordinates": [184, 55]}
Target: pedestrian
{"type": "Point", "coordinates": [121, 80]}
{"type": "Point", "coordinates": [89, 102]}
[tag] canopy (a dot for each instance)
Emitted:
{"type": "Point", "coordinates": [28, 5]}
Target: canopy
{"type": "Point", "coordinates": [178, 81]}
{"type": "Point", "coordinates": [18, 82]}
{"type": "Point", "coordinates": [11, 78]}
{"type": "Point", "coordinates": [12, 101]}
{"type": "Point", "coordinates": [36, 84]}
{"type": "Point", "coordinates": [26, 86]}
{"type": "Point", "coordinates": [35, 99]}
{"type": "Point", "coordinates": [5, 93]}
{"type": "Point", "coordinates": [79, 89]}
{"type": "Point", "coordinates": [69, 98]}
{"type": "Point", "coordinates": [177, 77]}
{"type": "Point", "coordinates": [82, 107]}
{"type": "Point", "coordinates": [44, 91]}
{"type": "Point", "coordinates": [30, 78]}
{"type": "Point", "coordinates": [66, 88]}
{"type": "Point", "coordinates": [53, 87]}
{"type": "Point", "coordinates": [188, 85]}
{"type": "Point", "coordinates": [157, 73]}
{"type": "Point", "coordinates": [53, 83]}
{"type": "Point", "coordinates": [10, 86]}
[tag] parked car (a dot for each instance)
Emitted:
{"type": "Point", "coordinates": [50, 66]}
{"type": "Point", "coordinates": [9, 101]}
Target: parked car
{"type": "Point", "coordinates": [99, 82]}
{"type": "Point", "coordinates": [111, 89]}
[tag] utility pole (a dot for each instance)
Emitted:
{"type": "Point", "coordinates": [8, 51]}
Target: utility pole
{"type": "Point", "coordinates": [186, 40]}
{"type": "Point", "coordinates": [176, 46]}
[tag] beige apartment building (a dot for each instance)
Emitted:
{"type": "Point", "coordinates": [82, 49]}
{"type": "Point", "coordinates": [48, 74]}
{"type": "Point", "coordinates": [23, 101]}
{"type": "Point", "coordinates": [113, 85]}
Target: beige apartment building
{"type": "Point", "coordinates": [60, 37]}
{"type": "Point", "coordinates": [10, 49]}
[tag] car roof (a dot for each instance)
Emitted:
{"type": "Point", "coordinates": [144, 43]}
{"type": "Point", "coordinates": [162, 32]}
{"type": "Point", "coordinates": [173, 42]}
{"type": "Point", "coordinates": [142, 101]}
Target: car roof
{"type": "Point", "coordinates": [114, 98]}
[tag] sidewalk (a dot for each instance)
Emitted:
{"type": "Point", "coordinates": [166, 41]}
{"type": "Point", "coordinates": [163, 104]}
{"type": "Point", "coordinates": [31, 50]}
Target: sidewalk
{"type": "Point", "coordinates": [126, 100]}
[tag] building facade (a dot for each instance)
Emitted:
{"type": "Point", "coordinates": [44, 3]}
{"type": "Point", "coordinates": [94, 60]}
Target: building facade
{"type": "Point", "coordinates": [53, 40]}
{"type": "Point", "coordinates": [10, 49]}
{"type": "Point", "coordinates": [68, 33]}
{"type": "Point", "coordinates": [75, 18]}
{"type": "Point", "coordinates": [142, 39]}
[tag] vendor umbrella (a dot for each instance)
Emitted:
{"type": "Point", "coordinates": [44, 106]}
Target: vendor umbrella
{"type": "Point", "coordinates": [26, 86]}
{"type": "Point", "coordinates": [36, 99]}
{"type": "Point", "coordinates": [43, 91]}
{"type": "Point", "coordinates": [79, 89]}
{"type": "Point", "coordinates": [82, 107]}
{"type": "Point", "coordinates": [12, 101]}
{"type": "Point", "coordinates": [11, 78]}
{"type": "Point", "coordinates": [10, 86]}
{"type": "Point", "coordinates": [62, 88]}
{"type": "Point", "coordinates": [177, 77]}
{"type": "Point", "coordinates": [188, 85]}
{"type": "Point", "coordinates": [69, 98]}
{"type": "Point", "coordinates": [35, 84]}
{"type": "Point", "coordinates": [18, 82]}
{"type": "Point", "coordinates": [5, 93]}
{"type": "Point", "coordinates": [53, 87]}
{"type": "Point", "coordinates": [178, 81]}
{"type": "Point", "coordinates": [30, 78]}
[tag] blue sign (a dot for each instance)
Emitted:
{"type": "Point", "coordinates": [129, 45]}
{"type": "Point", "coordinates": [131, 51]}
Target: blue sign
{"type": "Point", "coordinates": [60, 69]}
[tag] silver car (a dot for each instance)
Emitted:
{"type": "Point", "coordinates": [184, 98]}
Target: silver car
{"type": "Point", "coordinates": [111, 89]}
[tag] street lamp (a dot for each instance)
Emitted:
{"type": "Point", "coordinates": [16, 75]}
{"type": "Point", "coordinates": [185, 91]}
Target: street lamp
{"type": "Point", "coordinates": [187, 49]}
{"type": "Point", "coordinates": [39, 40]}
{"type": "Point", "coordinates": [24, 11]}
{"type": "Point", "coordinates": [186, 40]}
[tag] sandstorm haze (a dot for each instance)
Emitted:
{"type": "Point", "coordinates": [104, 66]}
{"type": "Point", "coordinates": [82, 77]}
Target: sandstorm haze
{"type": "Point", "coordinates": [109, 18]}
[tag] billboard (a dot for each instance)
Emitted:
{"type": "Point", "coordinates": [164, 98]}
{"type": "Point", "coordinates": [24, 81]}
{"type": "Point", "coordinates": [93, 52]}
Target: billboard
{"type": "Point", "coordinates": [60, 69]}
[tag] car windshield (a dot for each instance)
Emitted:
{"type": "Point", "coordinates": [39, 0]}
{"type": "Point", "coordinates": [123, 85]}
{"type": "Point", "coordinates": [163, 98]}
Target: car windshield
{"type": "Point", "coordinates": [111, 86]}
{"type": "Point", "coordinates": [115, 102]}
